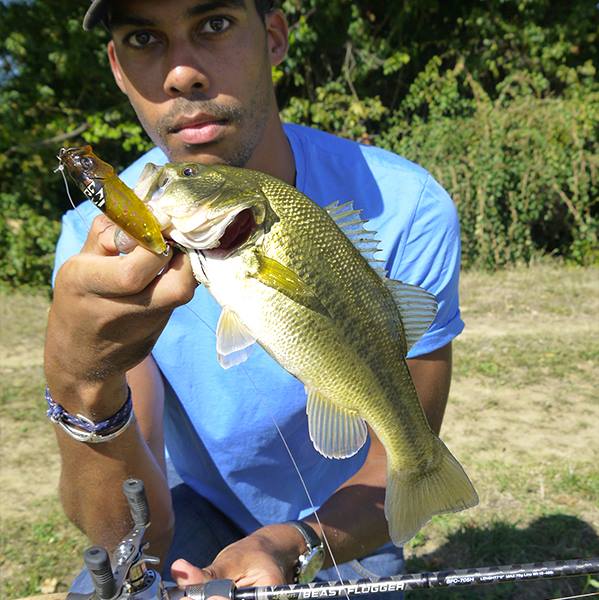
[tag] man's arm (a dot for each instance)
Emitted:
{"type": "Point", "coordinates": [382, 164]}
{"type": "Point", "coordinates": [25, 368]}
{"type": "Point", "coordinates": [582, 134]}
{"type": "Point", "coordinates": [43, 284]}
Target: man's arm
{"type": "Point", "coordinates": [431, 374]}
{"type": "Point", "coordinates": [353, 518]}
{"type": "Point", "coordinates": [106, 314]}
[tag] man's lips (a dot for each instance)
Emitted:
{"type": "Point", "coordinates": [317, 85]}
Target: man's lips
{"type": "Point", "coordinates": [200, 129]}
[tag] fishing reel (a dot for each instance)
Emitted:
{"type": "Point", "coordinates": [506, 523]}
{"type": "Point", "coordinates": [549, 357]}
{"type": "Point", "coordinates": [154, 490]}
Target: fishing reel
{"type": "Point", "coordinates": [131, 575]}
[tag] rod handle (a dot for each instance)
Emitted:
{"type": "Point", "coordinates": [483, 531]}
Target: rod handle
{"type": "Point", "coordinates": [138, 503]}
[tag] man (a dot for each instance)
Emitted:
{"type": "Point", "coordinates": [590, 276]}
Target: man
{"type": "Point", "coordinates": [198, 74]}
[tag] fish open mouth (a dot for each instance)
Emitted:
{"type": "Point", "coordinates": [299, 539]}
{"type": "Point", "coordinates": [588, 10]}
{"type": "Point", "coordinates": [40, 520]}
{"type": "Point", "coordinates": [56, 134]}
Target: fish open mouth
{"type": "Point", "coordinates": [237, 233]}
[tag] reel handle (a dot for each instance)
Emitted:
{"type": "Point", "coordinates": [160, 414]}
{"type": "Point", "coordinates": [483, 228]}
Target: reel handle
{"type": "Point", "coordinates": [97, 562]}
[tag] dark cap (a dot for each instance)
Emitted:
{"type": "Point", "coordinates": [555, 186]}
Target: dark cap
{"type": "Point", "coordinates": [95, 14]}
{"type": "Point", "coordinates": [98, 11]}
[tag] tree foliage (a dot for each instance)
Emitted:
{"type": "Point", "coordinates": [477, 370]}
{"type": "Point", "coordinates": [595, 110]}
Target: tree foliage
{"type": "Point", "coordinates": [498, 99]}
{"type": "Point", "coordinates": [55, 89]}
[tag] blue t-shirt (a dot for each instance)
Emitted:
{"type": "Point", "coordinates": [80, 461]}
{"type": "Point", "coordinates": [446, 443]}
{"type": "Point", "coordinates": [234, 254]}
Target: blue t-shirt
{"type": "Point", "coordinates": [220, 425]}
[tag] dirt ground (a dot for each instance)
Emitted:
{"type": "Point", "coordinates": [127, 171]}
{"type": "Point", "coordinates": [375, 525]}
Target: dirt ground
{"type": "Point", "coordinates": [523, 416]}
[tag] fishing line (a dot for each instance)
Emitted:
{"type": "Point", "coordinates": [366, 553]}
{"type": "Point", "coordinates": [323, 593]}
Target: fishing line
{"type": "Point", "coordinates": [304, 485]}
{"type": "Point", "coordinates": [314, 511]}
{"type": "Point", "coordinates": [578, 596]}
{"type": "Point", "coordinates": [293, 461]}
{"type": "Point", "coordinates": [60, 169]}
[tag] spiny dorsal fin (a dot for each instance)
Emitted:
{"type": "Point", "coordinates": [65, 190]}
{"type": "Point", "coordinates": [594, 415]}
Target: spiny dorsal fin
{"type": "Point", "coordinates": [347, 219]}
{"type": "Point", "coordinates": [233, 339]}
{"type": "Point", "coordinates": [417, 308]}
{"type": "Point", "coordinates": [335, 431]}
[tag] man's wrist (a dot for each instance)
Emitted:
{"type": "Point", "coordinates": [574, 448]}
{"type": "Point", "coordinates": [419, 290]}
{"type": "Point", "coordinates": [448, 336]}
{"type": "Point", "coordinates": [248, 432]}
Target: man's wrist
{"type": "Point", "coordinates": [310, 561]}
{"type": "Point", "coordinates": [283, 542]}
{"type": "Point", "coordinates": [84, 430]}
{"type": "Point", "coordinates": [96, 400]}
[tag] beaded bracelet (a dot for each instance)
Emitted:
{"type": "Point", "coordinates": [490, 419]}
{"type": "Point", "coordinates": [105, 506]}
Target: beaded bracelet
{"type": "Point", "coordinates": [83, 429]}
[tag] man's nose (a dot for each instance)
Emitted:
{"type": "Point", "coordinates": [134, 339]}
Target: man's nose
{"type": "Point", "coordinates": [185, 75]}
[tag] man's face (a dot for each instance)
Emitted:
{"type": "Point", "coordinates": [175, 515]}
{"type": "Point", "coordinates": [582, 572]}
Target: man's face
{"type": "Point", "coordinates": [198, 74]}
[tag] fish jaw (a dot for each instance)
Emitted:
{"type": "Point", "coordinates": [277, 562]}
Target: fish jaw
{"type": "Point", "coordinates": [218, 236]}
{"type": "Point", "coordinates": [220, 222]}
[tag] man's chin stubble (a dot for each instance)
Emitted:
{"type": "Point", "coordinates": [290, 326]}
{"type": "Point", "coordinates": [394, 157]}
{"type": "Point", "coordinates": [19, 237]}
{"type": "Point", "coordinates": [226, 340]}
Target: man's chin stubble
{"type": "Point", "coordinates": [209, 154]}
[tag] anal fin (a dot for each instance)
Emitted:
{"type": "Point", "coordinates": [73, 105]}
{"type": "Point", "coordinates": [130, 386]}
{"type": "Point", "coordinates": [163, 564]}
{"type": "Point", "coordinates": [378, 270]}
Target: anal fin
{"type": "Point", "coordinates": [336, 432]}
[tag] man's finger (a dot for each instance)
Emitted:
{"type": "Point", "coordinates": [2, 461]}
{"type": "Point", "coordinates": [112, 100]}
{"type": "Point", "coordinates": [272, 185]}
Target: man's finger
{"type": "Point", "coordinates": [184, 573]}
{"type": "Point", "coordinates": [175, 286]}
{"type": "Point", "coordinates": [113, 276]}
{"type": "Point", "coordinates": [100, 237]}
{"type": "Point", "coordinates": [124, 243]}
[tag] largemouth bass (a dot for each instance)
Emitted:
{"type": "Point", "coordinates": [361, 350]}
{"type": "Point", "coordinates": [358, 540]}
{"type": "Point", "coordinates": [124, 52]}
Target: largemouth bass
{"type": "Point", "coordinates": [303, 282]}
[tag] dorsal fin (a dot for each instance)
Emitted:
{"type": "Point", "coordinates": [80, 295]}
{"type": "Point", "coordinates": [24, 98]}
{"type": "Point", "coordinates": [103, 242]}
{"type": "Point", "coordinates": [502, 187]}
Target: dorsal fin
{"type": "Point", "coordinates": [417, 307]}
{"type": "Point", "coordinates": [345, 217]}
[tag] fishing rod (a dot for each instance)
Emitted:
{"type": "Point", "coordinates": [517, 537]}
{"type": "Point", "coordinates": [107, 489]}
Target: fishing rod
{"type": "Point", "coordinates": [129, 575]}
{"type": "Point", "coordinates": [416, 581]}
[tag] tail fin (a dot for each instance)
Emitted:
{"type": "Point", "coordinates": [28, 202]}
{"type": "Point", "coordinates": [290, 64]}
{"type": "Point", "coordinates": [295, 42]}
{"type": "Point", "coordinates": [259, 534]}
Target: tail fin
{"type": "Point", "coordinates": [413, 498]}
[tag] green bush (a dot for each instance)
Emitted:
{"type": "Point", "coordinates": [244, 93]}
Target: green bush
{"type": "Point", "coordinates": [523, 168]}
{"type": "Point", "coordinates": [27, 240]}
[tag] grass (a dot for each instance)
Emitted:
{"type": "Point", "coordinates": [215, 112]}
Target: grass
{"type": "Point", "coordinates": [522, 418]}
{"type": "Point", "coordinates": [528, 359]}
{"type": "Point", "coordinates": [37, 550]}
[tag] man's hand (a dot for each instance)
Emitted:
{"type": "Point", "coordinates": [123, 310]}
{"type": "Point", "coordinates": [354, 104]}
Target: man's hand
{"type": "Point", "coordinates": [108, 310]}
{"type": "Point", "coordinates": [265, 557]}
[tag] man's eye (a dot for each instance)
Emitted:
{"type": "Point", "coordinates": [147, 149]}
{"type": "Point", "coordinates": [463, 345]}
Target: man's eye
{"type": "Point", "coordinates": [216, 25]}
{"type": "Point", "coordinates": [141, 39]}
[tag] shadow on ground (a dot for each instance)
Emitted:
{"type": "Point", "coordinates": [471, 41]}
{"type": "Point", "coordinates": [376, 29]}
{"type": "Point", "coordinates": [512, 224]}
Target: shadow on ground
{"type": "Point", "coordinates": [548, 538]}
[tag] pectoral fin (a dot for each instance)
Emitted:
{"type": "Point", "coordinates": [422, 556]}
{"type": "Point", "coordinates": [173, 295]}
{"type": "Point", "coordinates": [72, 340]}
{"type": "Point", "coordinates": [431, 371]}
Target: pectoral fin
{"type": "Point", "coordinates": [335, 431]}
{"type": "Point", "coordinates": [233, 339]}
{"type": "Point", "coordinates": [272, 273]}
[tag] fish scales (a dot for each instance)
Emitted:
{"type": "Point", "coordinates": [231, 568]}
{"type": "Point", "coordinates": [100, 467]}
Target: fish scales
{"type": "Point", "coordinates": [364, 315]}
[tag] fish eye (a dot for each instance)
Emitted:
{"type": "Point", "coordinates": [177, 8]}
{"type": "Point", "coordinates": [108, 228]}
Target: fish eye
{"type": "Point", "coordinates": [87, 162]}
{"type": "Point", "coordinates": [189, 172]}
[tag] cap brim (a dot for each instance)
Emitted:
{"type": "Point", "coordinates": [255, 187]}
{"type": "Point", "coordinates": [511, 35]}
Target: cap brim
{"type": "Point", "coordinates": [95, 14]}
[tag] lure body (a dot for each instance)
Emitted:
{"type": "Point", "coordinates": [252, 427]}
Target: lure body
{"type": "Point", "coordinates": [99, 182]}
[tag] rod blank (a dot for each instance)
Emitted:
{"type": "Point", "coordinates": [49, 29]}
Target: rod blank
{"type": "Point", "coordinates": [433, 579]}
